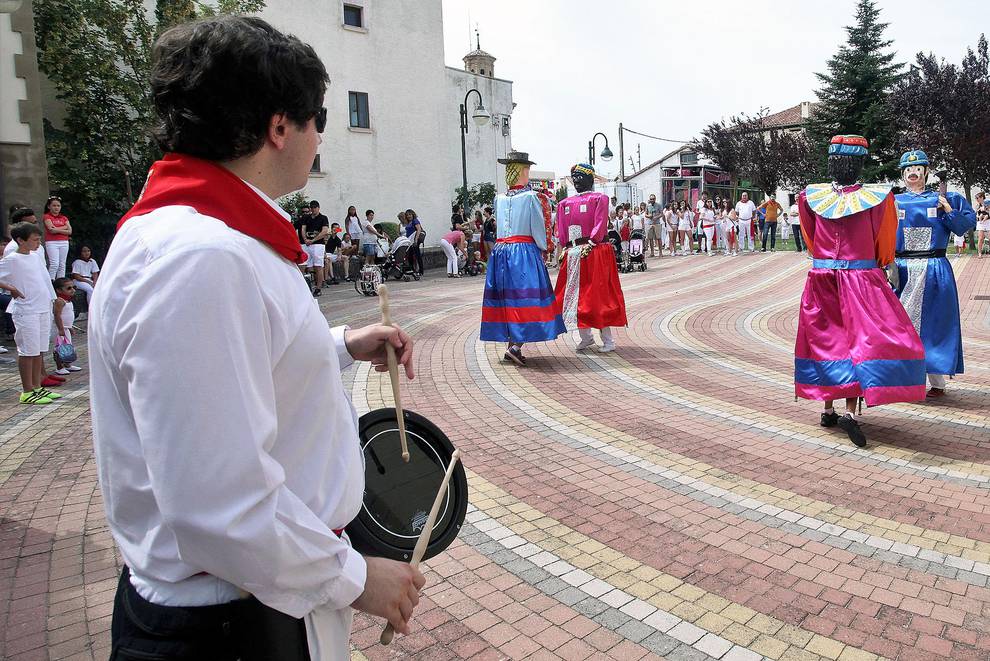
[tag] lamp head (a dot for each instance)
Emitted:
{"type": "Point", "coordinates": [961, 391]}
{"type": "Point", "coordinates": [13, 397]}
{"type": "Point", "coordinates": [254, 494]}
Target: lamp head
{"type": "Point", "coordinates": [607, 154]}
{"type": "Point", "coordinates": [481, 116]}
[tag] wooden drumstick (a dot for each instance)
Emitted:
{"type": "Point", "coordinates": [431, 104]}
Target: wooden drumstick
{"type": "Point", "coordinates": [393, 373]}
{"type": "Point", "coordinates": [424, 537]}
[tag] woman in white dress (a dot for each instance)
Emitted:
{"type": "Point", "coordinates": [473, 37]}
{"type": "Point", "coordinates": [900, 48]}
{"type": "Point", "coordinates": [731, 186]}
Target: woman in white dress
{"type": "Point", "coordinates": [982, 231]}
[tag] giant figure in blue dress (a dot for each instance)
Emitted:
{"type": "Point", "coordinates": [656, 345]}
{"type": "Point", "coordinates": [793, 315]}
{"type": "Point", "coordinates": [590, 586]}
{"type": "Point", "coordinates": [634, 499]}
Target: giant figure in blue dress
{"type": "Point", "coordinates": [519, 304]}
{"type": "Point", "coordinates": [926, 283]}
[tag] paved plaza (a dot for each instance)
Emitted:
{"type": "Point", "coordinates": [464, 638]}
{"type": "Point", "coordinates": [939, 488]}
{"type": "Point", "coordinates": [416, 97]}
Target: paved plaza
{"type": "Point", "coordinates": [670, 500]}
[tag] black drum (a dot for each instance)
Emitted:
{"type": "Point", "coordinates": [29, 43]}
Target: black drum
{"type": "Point", "coordinates": [398, 495]}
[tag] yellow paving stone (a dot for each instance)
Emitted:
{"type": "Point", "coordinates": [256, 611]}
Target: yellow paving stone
{"type": "Point", "coordinates": [767, 646]}
{"type": "Point", "coordinates": [667, 602]}
{"type": "Point", "coordinates": [830, 649]}
{"type": "Point", "coordinates": [645, 573]}
{"type": "Point", "coordinates": [853, 654]}
{"type": "Point", "coordinates": [765, 624]}
{"type": "Point", "coordinates": [739, 634]}
{"type": "Point", "coordinates": [738, 613]}
{"type": "Point", "coordinates": [590, 546]}
{"type": "Point", "coordinates": [666, 582]}
{"type": "Point", "coordinates": [689, 592]}
{"type": "Point", "coordinates": [794, 635]}
{"type": "Point", "coordinates": [798, 654]}
{"type": "Point", "coordinates": [713, 602]}
{"type": "Point", "coordinates": [642, 590]}
{"type": "Point", "coordinates": [622, 580]}
{"type": "Point", "coordinates": [714, 623]}
{"type": "Point", "coordinates": [688, 611]}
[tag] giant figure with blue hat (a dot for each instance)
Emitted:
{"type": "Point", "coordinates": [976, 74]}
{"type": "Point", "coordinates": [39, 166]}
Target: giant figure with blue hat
{"type": "Point", "coordinates": [926, 284]}
{"type": "Point", "coordinates": [854, 338]}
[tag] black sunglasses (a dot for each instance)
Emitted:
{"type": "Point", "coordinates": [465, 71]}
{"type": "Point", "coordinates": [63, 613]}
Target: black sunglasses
{"type": "Point", "coordinates": [321, 120]}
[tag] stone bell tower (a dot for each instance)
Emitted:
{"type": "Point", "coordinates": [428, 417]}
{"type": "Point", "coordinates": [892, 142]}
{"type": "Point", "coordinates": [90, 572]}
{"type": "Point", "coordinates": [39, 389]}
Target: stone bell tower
{"type": "Point", "coordinates": [478, 61]}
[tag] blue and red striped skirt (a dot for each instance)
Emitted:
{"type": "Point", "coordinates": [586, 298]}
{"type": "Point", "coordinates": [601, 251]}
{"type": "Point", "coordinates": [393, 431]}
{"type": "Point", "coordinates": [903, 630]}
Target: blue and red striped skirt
{"type": "Point", "coordinates": [519, 304]}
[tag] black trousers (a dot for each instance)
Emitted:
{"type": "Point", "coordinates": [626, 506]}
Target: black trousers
{"type": "Point", "coordinates": [796, 231]}
{"type": "Point", "coordinates": [243, 630]}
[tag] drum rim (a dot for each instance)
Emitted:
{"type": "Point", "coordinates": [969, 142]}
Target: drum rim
{"type": "Point", "coordinates": [372, 543]}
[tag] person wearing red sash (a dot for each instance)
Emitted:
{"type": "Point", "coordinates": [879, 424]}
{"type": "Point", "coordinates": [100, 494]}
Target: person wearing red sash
{"type": "Point", "coordinates": [589, 294]}
{"type": "Point", "coordinates": [226, 447]}
{"type": "Point", "coordinates": [519, 304]}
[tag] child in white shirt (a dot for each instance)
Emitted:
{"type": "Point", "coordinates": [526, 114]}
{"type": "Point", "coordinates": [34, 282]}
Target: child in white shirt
{"type": "Point", "coordinates": [23, 273]}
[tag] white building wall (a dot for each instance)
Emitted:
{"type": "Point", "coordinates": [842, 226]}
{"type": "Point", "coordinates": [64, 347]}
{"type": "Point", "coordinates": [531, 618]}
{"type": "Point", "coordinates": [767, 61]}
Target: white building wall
{"type": "Point", "coordinates": [12, 129]}
{"type": "Point", "coordinates": [410, 157]}
{"type": "Point", "coordinates": [484, 144]}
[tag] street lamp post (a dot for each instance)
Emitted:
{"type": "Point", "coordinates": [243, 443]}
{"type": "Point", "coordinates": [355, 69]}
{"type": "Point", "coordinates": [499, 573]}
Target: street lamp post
{"type": "Point", "coordinates": [606, 153]}
{"type": "Point", "coordinates": [480, 117]}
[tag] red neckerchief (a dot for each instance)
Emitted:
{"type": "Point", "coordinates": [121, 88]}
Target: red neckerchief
{"type": "Point", "coordinates": [212, 190]}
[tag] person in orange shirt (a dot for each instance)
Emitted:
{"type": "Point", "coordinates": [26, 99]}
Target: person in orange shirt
{"type": "Point", "coordinates": [773, 211]}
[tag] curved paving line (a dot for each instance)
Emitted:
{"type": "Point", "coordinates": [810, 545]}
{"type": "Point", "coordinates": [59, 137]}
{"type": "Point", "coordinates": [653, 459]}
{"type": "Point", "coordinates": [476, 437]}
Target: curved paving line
{"type": "Point", "coordinates": [661, 601]}
{"type": "Point", "coordinates": [780, 508]}
{"type": "Point", "coordinates": [887, 454]}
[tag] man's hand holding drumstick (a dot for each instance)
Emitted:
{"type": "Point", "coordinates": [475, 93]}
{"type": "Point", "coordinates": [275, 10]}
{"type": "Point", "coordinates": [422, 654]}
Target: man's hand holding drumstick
{"type": "Point", "coordinates": [368, 343]}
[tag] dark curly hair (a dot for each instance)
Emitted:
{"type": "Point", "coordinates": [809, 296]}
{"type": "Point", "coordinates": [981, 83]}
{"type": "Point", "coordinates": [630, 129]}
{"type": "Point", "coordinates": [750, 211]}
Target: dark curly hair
{"type": "Point", "coordinates": [217, 82]}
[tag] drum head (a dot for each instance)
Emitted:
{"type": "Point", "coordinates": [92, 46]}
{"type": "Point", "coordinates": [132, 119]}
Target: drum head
{"type": "Point", "coordinates": [398, 495]}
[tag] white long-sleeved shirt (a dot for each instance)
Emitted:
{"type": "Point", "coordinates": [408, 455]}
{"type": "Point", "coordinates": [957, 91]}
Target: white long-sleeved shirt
{"type": "Point", "coordinates": [225, 442]}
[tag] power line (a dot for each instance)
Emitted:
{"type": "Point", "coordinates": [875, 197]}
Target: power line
{"type": "Point", "coordinates": [645, 135]}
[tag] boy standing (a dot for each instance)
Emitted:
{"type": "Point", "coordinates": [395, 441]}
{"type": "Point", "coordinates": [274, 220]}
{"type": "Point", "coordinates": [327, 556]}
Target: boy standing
{"type": "Point", "coordinates": [24, 275]}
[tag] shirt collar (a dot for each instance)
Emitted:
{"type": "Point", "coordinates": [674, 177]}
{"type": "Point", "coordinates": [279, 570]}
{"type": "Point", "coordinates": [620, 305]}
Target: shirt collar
{"type": "Point", "coordinates": [270, 201]}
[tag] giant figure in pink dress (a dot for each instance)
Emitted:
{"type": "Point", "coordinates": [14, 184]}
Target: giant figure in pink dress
{"type": "Point", "coordinates": [854, 338]}
{"type": "Point", "coordinates": [588, 291]}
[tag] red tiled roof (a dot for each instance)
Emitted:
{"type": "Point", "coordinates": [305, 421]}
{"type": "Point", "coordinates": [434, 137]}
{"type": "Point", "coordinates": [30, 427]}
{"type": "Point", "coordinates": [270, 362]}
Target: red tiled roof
{"type": "Point", "coordinates": [789, 117]}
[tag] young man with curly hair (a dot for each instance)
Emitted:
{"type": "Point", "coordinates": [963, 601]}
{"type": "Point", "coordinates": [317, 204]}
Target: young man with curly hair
{"type": "Point", "coordinates": [227, 449]}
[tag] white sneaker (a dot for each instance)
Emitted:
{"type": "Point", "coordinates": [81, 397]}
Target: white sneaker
{"type": "Point", "coordinates": [584, 344]}
{"type": "Point", "coordinates": [4, 349]}
{"type": "Point", "coordinates": [608, 347]}
{"type": "Point", "coordinates": [75, 368]}
{"type": "Point", "coordinates": [62, 371]}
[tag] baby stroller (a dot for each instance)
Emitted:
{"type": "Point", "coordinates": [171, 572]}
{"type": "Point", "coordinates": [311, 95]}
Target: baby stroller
{"type": "Point", "coordinates": [369, 279]}
{"type": "Point", "coordinates": [636, 259]}
{"type": "Point", "coordinates": [615, 239]}
{"type": "Point", "coordinates": [393, 264]}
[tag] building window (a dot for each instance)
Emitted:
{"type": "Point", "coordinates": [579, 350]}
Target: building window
{"type": "Point", "coordinates": [316, 164]}
{"type": "Point", "coordinates": [689, 158]}
{"type": "Point", "coordinates": [482, 72]}
{"type": "Point", "coordinates": [359, 110]}
{"type": "Point", "coordinates": [353, 16]}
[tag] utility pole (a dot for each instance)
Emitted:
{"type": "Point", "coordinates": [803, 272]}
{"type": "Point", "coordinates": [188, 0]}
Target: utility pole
{"type": "Point", "coordinates": [622, 158]}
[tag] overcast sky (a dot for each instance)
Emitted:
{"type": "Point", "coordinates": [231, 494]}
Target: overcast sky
{"type": "Point", "coordinates": [671, 68]}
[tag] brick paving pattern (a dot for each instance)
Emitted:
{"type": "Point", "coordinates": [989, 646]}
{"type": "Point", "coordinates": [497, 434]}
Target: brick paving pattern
{"type": "Point", "coordinates": [670, 500]}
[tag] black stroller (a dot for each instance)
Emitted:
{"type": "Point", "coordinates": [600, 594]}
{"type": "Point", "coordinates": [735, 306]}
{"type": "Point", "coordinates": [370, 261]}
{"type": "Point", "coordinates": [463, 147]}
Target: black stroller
{"type": "Point", "coordinates": [636, 259]}
{"type": "Point", "coordinates": [616, 240]}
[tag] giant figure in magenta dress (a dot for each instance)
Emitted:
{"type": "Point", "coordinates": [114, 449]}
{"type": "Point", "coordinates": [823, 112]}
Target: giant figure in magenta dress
{"type": "Point", "coordinates": [854, 338]}
{"type": "Point", "coordinates": [589, 294]}
{"type": "Point", "coordinates": [519, 304]}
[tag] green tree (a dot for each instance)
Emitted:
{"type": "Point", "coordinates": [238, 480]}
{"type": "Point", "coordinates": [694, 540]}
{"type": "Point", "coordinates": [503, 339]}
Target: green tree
{"type": "Point", "coordinates": [292, 202]}
{"type": "Point", "coordinates": [944, 109]}
{"type": "Point", "coordinates": [97, 54]}
{"type": "Point", "coordinates": [750, 149]}
{"type": "Point", "coordinates": [478, 196]}
{"type": "Point", "coordinates": [853, 95]}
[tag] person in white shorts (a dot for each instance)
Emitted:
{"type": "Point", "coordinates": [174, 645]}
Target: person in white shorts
{"type": "Point", "coordinates": [23, 273]}
{"type": "Point", "coordinates": [982, 231]}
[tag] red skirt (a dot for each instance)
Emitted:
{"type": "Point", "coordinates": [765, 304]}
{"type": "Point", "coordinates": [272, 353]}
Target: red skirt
{"type": "Point", "coordinates": [591, 295]}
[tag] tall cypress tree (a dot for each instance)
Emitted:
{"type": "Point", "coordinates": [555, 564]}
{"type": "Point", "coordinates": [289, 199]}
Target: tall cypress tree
{"type": "Point", "coordinates": [853, 94]}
